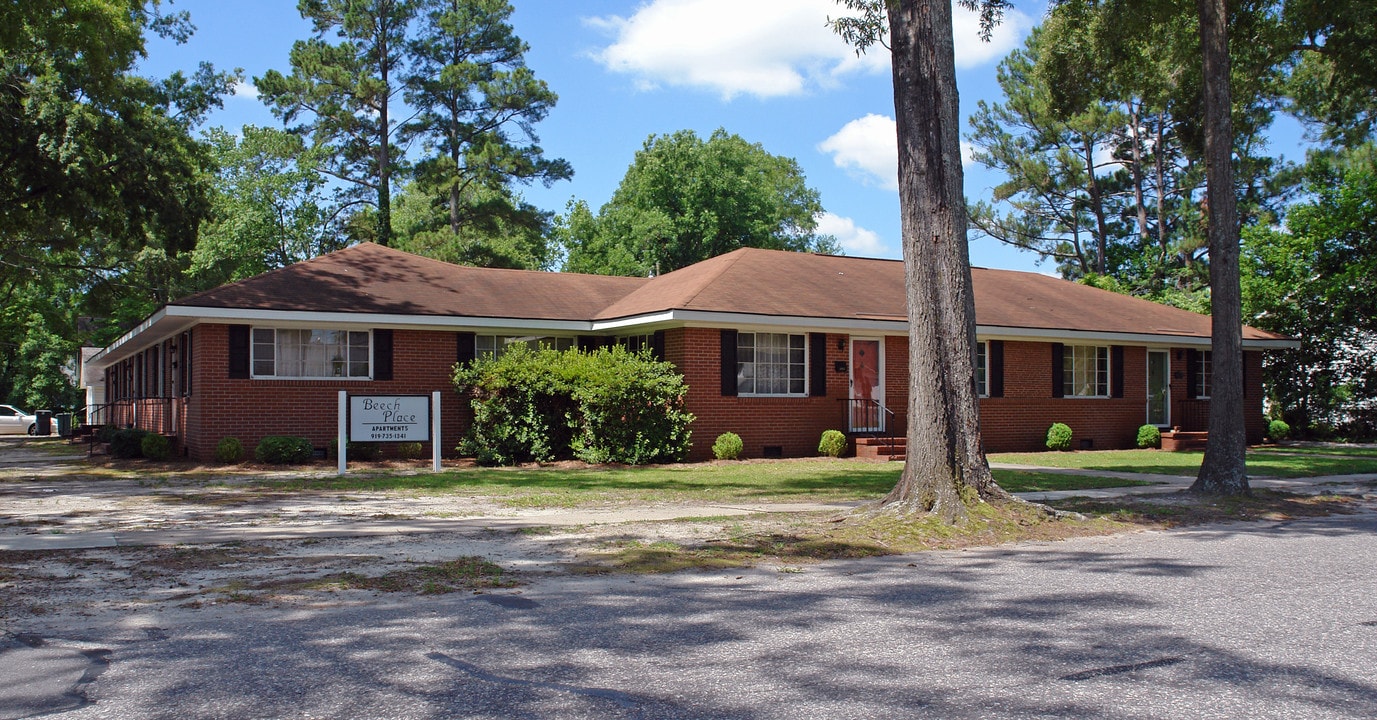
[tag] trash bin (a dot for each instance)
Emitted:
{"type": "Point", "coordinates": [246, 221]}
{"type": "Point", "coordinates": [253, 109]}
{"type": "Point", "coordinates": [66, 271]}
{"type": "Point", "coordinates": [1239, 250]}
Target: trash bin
{"type": "Point", "coordinates": [44, 421]}
{"type": "Point", "coordinates": [64, 424]}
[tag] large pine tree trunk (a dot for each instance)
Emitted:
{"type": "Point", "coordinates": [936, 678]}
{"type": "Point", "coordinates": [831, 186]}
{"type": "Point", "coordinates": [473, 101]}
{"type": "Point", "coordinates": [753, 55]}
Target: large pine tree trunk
{"type": "Point", "coordinates": [946, 466]}
{"type": "Point", "coordinates": [1224, 470]}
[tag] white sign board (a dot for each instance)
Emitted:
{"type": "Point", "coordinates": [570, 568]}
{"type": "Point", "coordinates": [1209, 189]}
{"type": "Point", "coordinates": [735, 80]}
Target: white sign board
{"type": "Point", "coordinates": [389, 418]}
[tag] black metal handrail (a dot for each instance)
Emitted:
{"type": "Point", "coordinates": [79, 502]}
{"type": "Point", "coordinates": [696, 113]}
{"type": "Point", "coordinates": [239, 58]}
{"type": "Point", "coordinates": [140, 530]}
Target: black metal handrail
{"type": "Point", "coordinates": [867, 409]}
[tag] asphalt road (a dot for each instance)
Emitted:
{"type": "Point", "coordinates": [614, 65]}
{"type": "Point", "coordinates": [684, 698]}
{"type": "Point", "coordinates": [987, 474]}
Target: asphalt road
{"type": "Point", "coordinates": [1262, 620]}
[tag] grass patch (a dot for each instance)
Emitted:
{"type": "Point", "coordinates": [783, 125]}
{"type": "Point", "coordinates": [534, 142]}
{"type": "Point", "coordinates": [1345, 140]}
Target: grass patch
{"type": "Point", "coordinates": [1188, 463]}
{"type": "Point", "coordinates": [465, 573]}
{"type": "Point", "coordinates": [1033, 481]}
{"type": "Point", "coordinates": [1339, 450]}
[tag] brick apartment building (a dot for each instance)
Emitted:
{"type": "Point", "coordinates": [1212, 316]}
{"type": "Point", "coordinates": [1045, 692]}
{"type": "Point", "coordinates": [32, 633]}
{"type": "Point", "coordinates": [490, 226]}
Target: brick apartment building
{"type": "Point", "coordinates": [775, 346]}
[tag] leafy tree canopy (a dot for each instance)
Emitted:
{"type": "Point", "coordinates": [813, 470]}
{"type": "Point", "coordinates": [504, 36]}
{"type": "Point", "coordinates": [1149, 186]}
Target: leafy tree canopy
{"type": "Point", "coordinates": [685, 199]}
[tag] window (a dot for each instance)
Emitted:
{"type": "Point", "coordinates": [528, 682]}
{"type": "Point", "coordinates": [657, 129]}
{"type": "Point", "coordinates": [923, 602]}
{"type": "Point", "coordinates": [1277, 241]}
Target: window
{"type": "Point", "coordinates": [770, 364]}
{"type": "Point", "coordinates": [636, 343]}
{"type": "Point", "coordinates": [1204, 372]}
{"type": "Point", "coordinates": [1085, 371]}
{"type": "Point", "coordinates": [491, 347]}
{"type": "Point", "coordinates": [310, 354]}
{"type": "Point", "coordinates": [982, 370]}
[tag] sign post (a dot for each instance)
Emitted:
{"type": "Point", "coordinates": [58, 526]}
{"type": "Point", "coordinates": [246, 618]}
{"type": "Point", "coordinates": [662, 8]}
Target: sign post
{"type": "Point", "coordinates": [341, 435]}
{"type": "Point", "coordinates": [435, 431]}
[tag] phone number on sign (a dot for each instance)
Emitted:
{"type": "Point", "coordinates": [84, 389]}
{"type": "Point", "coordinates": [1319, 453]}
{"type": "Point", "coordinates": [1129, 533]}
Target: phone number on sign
{"type": "Point", "coordinates": [388, 436]}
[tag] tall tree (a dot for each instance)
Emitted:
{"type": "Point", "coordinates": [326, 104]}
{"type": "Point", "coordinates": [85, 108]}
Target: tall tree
{"type": "Point", "coordinates": [343, 95]}
{"type": "Point", "coordinates": [946, 467]}
{"type": "Point", "coordinates": [269, 208]}
{"type": "Point", "coordinates": [502, 230]}
{"type": "Point", "coordinates": [477, 103]}
{"type": "Point", "coordinates": [685, 199]}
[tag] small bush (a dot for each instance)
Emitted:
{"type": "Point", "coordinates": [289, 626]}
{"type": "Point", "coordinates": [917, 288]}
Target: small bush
{"type": "Point", "coordinates": [833, 443]}
{"type": "Point", "coordinates": [1149, 436]}
{"type": "Point", "coordinates": [283, 450]}
{"type": "Point", "coordinates": [410, 450]}
{"type": "Point", "coordinates": [728, 446]}
{"type": "Point", "coordinates": [127, 443]}
{"type": "Point", "coordinates": [155, 446]}
{"type": "Point", "coordinates": [1278, 430]}
{"type": "Point", "coordinates": [365, 451]}
{"type": "Point", "coordinates": [229, 450]}
{"type": "Point", "coordinates": [106, 434]}
{"type": "Point", "coordinates": [1059, 437]}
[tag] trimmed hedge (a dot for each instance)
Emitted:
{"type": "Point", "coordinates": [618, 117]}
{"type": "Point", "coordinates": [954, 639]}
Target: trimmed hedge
{"type": "Point", "coordinates": [283, 450]}
{"type": "Point", "coordinates": [229, 450]}
{"type": "Point", "coordinates": [605, 406]}
{"type": "Point", "coordinates": [410, 450]}
{"type": "Point", "coordinates": [1059, 437]}
{"type": "Point", "coordinates": [1278, 430]}
{"type": "Point", "coordinates": [833, 443]}
{"type": "Point", "coordinates": [155, 446]}
{"type": "Point", "coordinates": [728, 446]}
{"type": "Point", "coordinates": [1149, 437]}
{"type": "Point", "coordinates": [127, 443]}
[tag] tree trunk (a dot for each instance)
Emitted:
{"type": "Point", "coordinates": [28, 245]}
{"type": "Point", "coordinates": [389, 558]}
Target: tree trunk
{"type": "Point", "coordinates": [1135, 124]}
{"type": "Point", "coordinates": [1224, 470]}
{"type": "Point", "coordinates": [946, 466]}
{"type": "Point", "coordinates": [1096, 205]}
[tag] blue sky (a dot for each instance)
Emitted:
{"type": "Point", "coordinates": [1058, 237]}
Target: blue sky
{"type": "Point", "coordinates": [767, 70]}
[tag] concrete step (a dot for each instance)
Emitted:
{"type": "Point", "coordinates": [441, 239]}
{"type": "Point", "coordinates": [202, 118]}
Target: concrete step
{"type": "Point", "coordinates": [1182, 441]}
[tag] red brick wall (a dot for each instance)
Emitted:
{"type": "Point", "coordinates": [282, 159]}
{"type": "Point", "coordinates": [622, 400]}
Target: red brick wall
{"type": "Point", "coordinates": [252, 409]}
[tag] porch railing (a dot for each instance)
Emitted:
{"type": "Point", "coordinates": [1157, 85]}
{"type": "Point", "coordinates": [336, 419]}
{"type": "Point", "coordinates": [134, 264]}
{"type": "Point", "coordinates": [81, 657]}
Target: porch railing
{"type": "Point", "coordinates": [870, 418]}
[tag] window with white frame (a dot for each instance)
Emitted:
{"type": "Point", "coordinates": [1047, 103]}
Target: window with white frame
{"type": "Point", "coordinates": [982, 369]}
{"type": "Point", "coordinates": [311, 354]}
{"type": "Point", "coordinates": [491, 347]}
{"type": "Point", "coordinates": [636, 343]}
{"type": "Point", "coordinates": [770, 364]}
{"type": "Point", "coordinates": [1085, 371]}
{"type": "Point", "coordinates": [1204, 375]}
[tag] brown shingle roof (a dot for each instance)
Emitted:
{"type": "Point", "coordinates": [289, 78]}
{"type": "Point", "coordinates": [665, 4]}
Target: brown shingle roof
{"type": "Point", "coordinates": [370, 278]}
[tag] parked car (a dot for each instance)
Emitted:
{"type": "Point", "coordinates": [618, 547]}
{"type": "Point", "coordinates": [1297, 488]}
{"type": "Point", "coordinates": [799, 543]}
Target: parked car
{"type": "Point", "coordinates": [14, 421]}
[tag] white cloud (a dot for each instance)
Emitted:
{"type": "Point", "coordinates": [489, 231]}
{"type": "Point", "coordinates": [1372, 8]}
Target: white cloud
{"type": "Point", "coordinates": [765, 48]}
{"type": "Point", "coordinates": [855, 241]}
{"type": "Point", "coordinates": [867, 147]}
{"type": "Point", "coordinates": [245, 90]}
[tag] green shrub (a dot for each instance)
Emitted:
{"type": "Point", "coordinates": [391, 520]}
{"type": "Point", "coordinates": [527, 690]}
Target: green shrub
{"type": "Point", "coordinates": [1278, 430]}
{"type": "Point", "coordinates": [833, 443]}
{"type": "Point", "coordinates": [410, 450]}
{"type": "Point", "coordinates": [106, 434]}
{"type": "Point", "coordinates": [127, 443]}
{"type": "Point", "coordinates": [366, 451]}
{"type": "Point", "coordinates": [728, 446]}
{"type": "Point", "coordinates": [155, 446]}
{"type": "Point", "coordinates": [283, 450]}
{"type": "Point", "coordinates": [229, 450]}
{"type": "Point", "coordinates": [1149, 436]}
{"type": "Point", "coordinates": [1059, 437]}
{"type": "Point", "coordinates": [608, 405]}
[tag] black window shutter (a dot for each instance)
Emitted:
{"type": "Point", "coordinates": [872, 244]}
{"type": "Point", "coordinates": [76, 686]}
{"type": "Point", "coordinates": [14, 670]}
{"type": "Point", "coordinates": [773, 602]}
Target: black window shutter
{"type": "Point", "coordinates": [1058, 370]}
{"type": "Point", "coordinates": [657, 345]}
{"type": "Point", "coordinates": [1244, 369]}
{"type": "Point", "coordinates": [817, 364]}
{"type": "Point", "coordinates": [239, 352]}
{"type": "Point", "coordinates": [1192, 370]}
{"type": "Point", "coordinates": [728, 363]}
{"type": "Point", "coordinates": [994, 360]}
{"type": "Point", "coordinates": [190, 358]}
{"type": "Point", "coordinates": [382, 354]}
{"type": "Point", "coordinates": [1116, 371]}
{"type": "Point", "coordinates": [466, 349]}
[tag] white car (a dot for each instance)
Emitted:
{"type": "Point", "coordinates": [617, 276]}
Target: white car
{"type": "Point", "coordinates": [14, 421]}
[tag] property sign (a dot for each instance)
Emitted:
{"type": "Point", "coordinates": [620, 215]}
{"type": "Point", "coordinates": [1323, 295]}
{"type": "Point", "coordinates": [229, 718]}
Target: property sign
{"type": "Point", "coordinates": [389, 418]}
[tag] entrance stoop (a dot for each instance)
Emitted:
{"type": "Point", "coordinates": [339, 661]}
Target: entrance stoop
{"type": "Point", "coordinates": [1177, 441]}
{"type": "Point", "coordinates": [887, 448]}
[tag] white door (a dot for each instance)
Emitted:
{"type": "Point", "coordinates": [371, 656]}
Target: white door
{"type": "Point", "coordinates": [867, 385]}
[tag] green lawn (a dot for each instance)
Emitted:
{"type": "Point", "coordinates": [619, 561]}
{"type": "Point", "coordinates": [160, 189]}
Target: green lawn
{"type": "Point", "coordinates": [1339, 450]}
{"type": "Point", "coordinates": [745, 482]}
{"type": "Point", "coordinates": [1187, 463]}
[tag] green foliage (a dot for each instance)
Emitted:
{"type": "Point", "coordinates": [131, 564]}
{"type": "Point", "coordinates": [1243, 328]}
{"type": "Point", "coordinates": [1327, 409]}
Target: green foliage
{"type": "Point", "coordinates": [728, 446]}
{"type": "Point", "coordinates": [1149, 437]}
{"type": "Point", "coordinates": [283, 450]}
{"type": "Point", "coordinates": [498, 228]}
{"type": "Point", "coordinates": [1278, 430]}
{"type": "Point", "coordinates": [1059, 437]}
{"type": "Point", "coordinates": [833, 443]}
{"type": "Point", "coordinates": [229, 450]}
{"type": "Point", "coordinates": [155, 446]}
{"type": "Point", "coordinates": [684, 200]}
{"type": "Point", "coordinates": [364, 451]}
{"type": "Point", "coordinates": [127, 443]}
{"type": "Point", "coordinates": [605, 406]}
{"type": "Point", "coordinates": [410, 450]}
